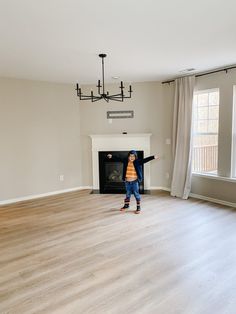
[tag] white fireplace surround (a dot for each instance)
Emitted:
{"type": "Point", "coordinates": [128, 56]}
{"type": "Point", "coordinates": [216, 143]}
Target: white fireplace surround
{"type": "Point", "coordinates": [120, 142]}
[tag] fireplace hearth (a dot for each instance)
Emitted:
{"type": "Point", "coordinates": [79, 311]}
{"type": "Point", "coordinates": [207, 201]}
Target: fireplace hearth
{"type": "Point", "coordinates": [110, 172]}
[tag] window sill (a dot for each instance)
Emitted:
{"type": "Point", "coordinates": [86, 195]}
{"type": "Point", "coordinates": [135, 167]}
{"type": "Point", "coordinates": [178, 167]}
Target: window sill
{"type": "Point", "coordinates": [214, 177]}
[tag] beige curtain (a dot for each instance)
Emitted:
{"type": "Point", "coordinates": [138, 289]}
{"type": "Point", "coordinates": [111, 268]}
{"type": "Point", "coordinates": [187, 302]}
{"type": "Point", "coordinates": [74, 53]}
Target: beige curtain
{"type": "Point", "coordinates": [182, 136]}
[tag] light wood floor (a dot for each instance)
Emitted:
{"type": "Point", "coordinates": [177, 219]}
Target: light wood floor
{"type": "Point", "coordinates": [76, 253]}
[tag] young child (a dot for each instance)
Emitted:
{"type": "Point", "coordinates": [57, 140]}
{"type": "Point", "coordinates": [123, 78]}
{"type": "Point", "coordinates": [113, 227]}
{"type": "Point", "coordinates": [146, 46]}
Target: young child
{"type": "Point", "coordinates": [132, 175]}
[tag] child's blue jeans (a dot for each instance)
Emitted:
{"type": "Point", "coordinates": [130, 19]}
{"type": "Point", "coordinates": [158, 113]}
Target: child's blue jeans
{"type": "Point", "coordinates": [132, 187]}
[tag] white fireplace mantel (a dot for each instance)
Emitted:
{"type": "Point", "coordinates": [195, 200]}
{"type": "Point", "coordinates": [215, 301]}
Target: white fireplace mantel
{"type": "Point", "coordinates": [120, 142]}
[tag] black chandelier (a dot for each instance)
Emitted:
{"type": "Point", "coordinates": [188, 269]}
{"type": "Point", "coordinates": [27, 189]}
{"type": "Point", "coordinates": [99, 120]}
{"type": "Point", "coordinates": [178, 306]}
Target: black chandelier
{"type": "Point", "coordinates": [101, 94]}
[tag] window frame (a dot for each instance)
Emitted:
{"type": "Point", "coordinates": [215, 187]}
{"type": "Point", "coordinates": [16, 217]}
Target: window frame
{"type": "Point", "coordinates": [198, 92]}
{"type": "Point", "coordinates": [233, 145]}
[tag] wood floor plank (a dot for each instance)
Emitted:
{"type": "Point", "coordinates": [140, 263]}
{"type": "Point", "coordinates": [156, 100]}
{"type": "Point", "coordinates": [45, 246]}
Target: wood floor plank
{"type": "Point", "coordinates": [77, 253]}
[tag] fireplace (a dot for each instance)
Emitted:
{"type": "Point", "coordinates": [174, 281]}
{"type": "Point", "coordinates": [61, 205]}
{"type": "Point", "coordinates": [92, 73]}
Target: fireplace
{"type": "Point", "coordinates": [118, 143]}
{"type": "Point", "coordinates": [110, 172]}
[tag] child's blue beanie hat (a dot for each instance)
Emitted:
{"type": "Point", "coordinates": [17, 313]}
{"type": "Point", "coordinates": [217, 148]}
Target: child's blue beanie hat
{"type": "Point", "coordinates": [133, 152]}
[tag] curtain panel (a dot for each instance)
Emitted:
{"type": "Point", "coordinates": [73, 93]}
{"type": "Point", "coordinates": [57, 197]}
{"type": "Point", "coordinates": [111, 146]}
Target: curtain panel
{"type": "Point", "coordinates": [182, 137]}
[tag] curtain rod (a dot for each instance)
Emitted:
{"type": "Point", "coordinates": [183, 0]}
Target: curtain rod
{"type": "Point", "coordinates": [206, 73]}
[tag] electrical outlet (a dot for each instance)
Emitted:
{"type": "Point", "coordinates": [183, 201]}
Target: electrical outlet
{"type": "Point", "coordinates": [61, 177]}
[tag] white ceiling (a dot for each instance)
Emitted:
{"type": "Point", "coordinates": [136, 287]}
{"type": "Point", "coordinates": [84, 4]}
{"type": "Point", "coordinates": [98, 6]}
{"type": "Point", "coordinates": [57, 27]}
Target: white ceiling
{"type": "Point", "coordinates": [145, 40]}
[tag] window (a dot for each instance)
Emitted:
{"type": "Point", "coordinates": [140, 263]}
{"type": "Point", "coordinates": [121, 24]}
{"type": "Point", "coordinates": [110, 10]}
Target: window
{"type": "Point", "coordinates": [234, 137]}
{"type": "Point", "coordinates": [205, 131]}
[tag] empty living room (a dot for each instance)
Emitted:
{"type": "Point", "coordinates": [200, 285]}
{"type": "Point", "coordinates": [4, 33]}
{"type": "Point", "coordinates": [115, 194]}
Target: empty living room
{"type": "Point", "coordinates": [118, 157]}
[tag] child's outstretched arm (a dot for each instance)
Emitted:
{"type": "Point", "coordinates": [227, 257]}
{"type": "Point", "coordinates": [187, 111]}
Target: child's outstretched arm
{"type": "Point", "coordinates": [147, 159]}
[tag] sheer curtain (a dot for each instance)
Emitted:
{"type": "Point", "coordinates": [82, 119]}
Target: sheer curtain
{"type": "Point", "coordinates": [182, 136]}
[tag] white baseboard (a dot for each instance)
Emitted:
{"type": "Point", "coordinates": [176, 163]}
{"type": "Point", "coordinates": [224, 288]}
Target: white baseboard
{"type": "Point", "coordinates": [31, 197]}
{"type": "Point", "coordinates": [159, 188]}
{"type": "Point", "coordinates": [213, 200]}
{"type": "Point", "coordinates": [201, 197]}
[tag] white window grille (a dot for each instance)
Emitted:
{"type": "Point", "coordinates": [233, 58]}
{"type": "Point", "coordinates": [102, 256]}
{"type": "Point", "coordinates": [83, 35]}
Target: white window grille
{"type": "Point", "coordinates": [205, 131]}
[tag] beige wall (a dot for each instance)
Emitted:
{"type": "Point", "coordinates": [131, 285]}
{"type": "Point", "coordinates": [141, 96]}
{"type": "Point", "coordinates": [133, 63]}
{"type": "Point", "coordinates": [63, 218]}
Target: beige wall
{"type": "Point", "coordinates": [212, 188]}
{"type": "Point", "coordinates": [44, 132]}
{"type": "Point", "coordinates": [151, 115]}
{"type": "Point", "coordinates": [39, 138]}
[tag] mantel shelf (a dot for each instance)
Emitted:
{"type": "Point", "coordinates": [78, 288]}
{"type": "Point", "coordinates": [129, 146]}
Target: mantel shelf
{"type": "Point", "coordinates": [121, 135]}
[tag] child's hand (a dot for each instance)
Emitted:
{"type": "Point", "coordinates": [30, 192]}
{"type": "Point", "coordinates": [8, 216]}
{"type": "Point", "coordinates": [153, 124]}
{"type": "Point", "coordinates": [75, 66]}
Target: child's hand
{"type": "Point", "coordinates": [156, 157]}
{"type": "Point", "coordinates": [109, 156]}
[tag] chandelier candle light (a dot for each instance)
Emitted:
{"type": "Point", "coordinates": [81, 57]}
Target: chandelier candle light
{"type": "Point", "coordinates": [101, 94]}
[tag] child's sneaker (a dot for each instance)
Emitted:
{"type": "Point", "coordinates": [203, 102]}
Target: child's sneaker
{"type": "Point", "coordinates": [138, 210]}
{"type": "Point", "coordinates": [124, 208]}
